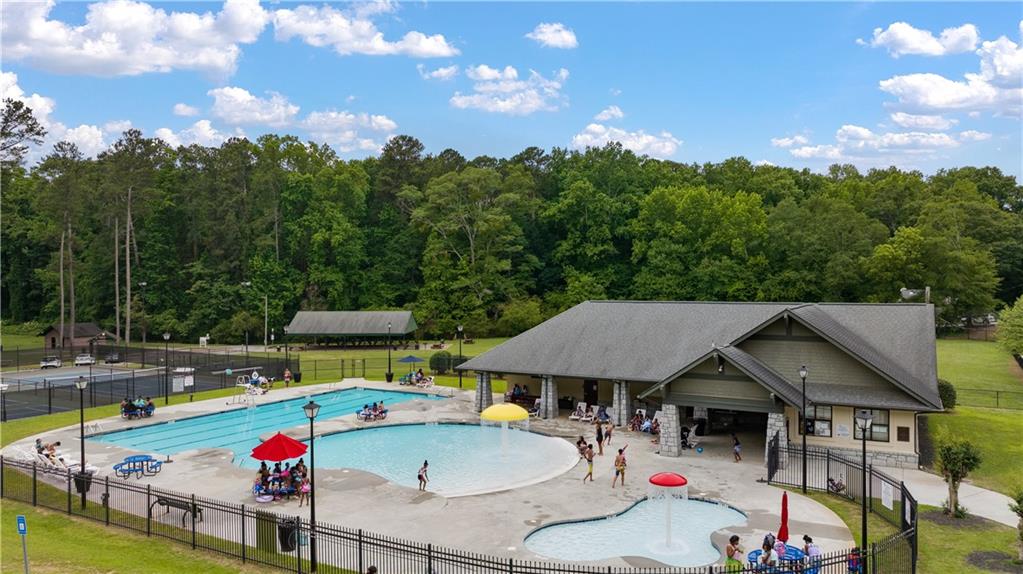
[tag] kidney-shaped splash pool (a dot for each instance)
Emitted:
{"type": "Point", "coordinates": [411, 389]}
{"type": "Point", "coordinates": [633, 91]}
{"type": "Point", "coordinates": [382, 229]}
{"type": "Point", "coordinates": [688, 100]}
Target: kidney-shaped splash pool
{"type": "Point", "coordinates": [464, 459]}
{"type": "Point", "coordinates": [639, 531]}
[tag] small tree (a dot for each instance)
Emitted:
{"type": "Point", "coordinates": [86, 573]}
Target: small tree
{"type": "Point", "coordinates": [1010, 328]}
{"type": "Point", "coordinates": [440, 362]}
{"type": "Point", "coordinates": [947, 392]}
{"type": "Point", "coordinates": [955, 460]}
{"type": "Point", "coordinates": [1017, 506]}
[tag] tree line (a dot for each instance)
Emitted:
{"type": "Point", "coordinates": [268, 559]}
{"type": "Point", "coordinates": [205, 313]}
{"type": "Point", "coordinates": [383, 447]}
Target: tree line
{"type": "Point", "coordinates": [190, 240]}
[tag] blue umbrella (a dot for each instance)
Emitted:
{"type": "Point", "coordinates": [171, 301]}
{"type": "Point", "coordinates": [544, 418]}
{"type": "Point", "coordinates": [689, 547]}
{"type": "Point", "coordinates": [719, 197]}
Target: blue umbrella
{"type": "Point", "coordinates": [411, 359]}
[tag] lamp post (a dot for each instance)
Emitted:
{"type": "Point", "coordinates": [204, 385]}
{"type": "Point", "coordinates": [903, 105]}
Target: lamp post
{"type": "Point", "coordinates": [266, 316]}
{"type": "Point", "coordinates": [142, 301]}
{"type": "Point", "coordinates": [802, 375]}
{"type": "Point", "coordinates": [389, 375]}
{"type": "Point", "coordinates": [81, 385]}
{"type": "Point", "coordinates": [863, 421]}
{"type": "Point", "coordinates": [287, 359]}
{"type": "Point", "coordinates": [311, 410]}
{"type": "Point", "coordinates": [460, 336]}
{"type": "Point", "coordinates": [166, 367]}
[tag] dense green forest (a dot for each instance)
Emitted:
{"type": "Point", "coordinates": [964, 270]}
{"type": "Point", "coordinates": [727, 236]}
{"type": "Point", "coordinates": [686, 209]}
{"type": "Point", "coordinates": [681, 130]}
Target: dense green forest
{"type": "Point", "coordinates": [496, 244]}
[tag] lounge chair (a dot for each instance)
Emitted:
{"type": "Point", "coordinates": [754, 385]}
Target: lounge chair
{"type": "Point", "coordinates": [426, 383]}
{"type": "Point", "coordinates": [588, 417]}
{"type": "Point", "coordinates": [579, 412]}
{"type": "Point", "coordinates": [535, 411]}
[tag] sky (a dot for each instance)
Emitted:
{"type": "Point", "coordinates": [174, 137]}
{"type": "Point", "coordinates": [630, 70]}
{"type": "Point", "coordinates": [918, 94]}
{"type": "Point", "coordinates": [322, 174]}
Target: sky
{"type": "Point", "coordinates": [917, 85]}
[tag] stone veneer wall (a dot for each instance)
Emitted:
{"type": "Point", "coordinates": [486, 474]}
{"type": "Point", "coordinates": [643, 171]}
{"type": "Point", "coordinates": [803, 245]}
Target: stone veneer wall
{"type": "Point", "coordinates": [671, 428]}
{"type": "Point", "coordinates": [776, 424]}
{"type": "Point", "coordinates": [484, 392]}
{"type": "Point", "coordinates": [548, 397]}
{"type": "Point", "coordinates": [879, 458]}
{"type": "Point", "coordinates": [622, 403]}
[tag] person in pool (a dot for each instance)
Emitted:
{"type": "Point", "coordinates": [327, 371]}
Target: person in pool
{"type": "Point", "coordinates": [423, 478]}
{"type": "Point", "coordinates": [620, 464]}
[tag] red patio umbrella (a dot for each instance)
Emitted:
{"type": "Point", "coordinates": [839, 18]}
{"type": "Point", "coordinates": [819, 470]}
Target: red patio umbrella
{"type": "Point", "coordinates": [279, 447]}
{"type": "Point", "coordinates": [783, 532]}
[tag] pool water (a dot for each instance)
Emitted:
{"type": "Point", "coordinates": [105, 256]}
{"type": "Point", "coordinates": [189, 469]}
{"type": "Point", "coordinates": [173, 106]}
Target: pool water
{"type": "Point", "coordinates": [640, 531]}
{"type": "Point", "coordinates": [239, 430]}
{"type": "Point", "coordinates": [464, 459]}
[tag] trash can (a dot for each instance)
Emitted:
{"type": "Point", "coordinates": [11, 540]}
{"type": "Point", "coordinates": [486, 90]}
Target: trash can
{"type": "Point", "coordinates": [298, 376]}
{"type": "Point", "coordinates": [83, 480]}
{"type": "Point", "coordinates": [389, 377]}
{"type": "Point", "coordinates": [287, 534]}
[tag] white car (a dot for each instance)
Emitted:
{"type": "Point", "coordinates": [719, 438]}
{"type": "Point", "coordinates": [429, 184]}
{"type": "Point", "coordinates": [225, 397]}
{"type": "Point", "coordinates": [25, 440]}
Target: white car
{"type": "Point", "coordinates": [84, 359]}
{"type": "Point", "coordinates": [52, 362]}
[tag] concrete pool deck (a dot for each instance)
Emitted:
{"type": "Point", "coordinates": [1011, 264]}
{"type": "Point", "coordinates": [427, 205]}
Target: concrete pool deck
{"type": "Point", "coordinates": [493, 523]}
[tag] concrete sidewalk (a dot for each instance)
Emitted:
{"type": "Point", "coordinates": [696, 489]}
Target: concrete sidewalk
{"type": "Point", "coordinates": [931, 489]}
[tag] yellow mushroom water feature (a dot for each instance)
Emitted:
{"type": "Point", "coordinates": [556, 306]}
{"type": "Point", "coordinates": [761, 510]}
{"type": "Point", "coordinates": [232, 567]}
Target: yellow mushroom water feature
{"type": "Point", "coordinates": [504, 413]}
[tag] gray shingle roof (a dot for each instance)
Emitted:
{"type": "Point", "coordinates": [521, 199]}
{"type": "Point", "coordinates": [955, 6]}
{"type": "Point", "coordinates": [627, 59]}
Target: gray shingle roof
{"type": "Point", "coordinates": [861, 397]}
{"type": "Point", "coordinates": [764, 374]}
{"type": "Point", "coordinates": [81, 329]}
{"type": "Point", "coordinates": [352, 323]}
{"type": "Point", "coordinates": [654, 341]}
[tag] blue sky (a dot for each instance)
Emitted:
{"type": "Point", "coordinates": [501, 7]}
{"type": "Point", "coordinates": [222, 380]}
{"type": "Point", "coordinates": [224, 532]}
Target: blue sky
{"type": "Point", "coordinates": [936, 85]}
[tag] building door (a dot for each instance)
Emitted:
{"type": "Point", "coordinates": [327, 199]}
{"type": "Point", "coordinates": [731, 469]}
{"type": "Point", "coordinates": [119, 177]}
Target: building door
{"type": "Point", "coordinates": [53, 342]}
{"type": "Point", "coordinates": [590, 392]}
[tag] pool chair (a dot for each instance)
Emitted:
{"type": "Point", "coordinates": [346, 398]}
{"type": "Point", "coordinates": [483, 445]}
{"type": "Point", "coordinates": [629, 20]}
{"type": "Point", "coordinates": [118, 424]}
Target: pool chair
{"type": "Point", "coordinates": [426, 383]}
{"type": "Point", "coordinates": [588, 417]}
{"type": "Point", "coordinates": [535, 411]}
{"type": "Point", "coordinates": [579, 412]}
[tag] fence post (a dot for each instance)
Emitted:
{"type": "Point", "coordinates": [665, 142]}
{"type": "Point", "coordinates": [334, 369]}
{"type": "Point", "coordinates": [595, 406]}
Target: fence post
{"type": "Point", "coordinates": [69, 491]}
{"type": "Point", "coordinates": [870, 488]}
{"type": "Point", "coordinates": [429, 558]}
{"type": "Point", "coordinates": [298, 544]}
{"type": "Point", "coordinates": [149, 510]}
{"type": "Point", "coordinates": [827, 470]}
{"type": "Point", "coordinates": [35, 490]}
{"type": "Point", "coordinates": [242, 527]}
{"type": "Point", "coordinates": [49, 398]}
{"type": "Point", "coordinates": [359, 545]}
{"type": "Point", "coordinates": [193, 521]}
{"type": "Point", "coordinates": [106, 500]}
{"type": "Point", "coordinates": [998, 399]}
{"type": "Point", "coordinates": [511, 566]}
{"type": "Point", "coordinates": [314, 369]}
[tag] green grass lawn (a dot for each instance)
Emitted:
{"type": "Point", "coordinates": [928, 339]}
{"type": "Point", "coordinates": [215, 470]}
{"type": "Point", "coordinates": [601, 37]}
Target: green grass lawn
{"type": "Point", "coordinates": [943, 548]}
{"type": "Point", "coordinates": [997, 432]}
{"type": "Point", "coordinates": [16, 340]}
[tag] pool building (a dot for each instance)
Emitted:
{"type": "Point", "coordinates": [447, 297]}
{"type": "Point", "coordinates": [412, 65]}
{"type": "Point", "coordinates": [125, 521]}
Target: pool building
{"type": "Point", "coordinates": [725, 366]}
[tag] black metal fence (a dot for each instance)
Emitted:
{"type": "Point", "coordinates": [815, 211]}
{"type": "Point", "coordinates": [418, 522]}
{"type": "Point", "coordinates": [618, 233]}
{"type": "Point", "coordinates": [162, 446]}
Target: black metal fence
{"type": "Point", "coordinates": [371, 367]}
{"type": "Point", "coordinates": [292, 544]}
{"type": "Point", "coordinates": [997, 399]}
{"type": "Point", "coordinates": [839, 476]}
{"type": "Point", "coordinates": [31, 393]}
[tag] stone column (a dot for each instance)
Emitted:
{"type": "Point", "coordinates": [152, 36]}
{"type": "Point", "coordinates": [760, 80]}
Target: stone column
{"type": "Point", "coordinates": [548, 397]}
{"type": "Point", "coordinates": [776, 424]}
{"type": "Point", "coordinates": [484, 394]}
{"type": "Point", "coordinates": [671, 428]}
{"type": "Point", "coordinates": [622, 403]}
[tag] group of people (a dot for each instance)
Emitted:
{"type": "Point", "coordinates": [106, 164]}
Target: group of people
{"type": "Point", "coordinates": [138, 408]}
{"type": "Point", "coordinates": [772, 553]}
{"type": "Point", "coordinates": [374, 412]}
{"type": "Point", "coordinates": [643, 423]}
{"type": "Point", "coordinates": [49, 449]}
{"type": "Point", "coordinates": [278, 483]}
{"type": "Point", "coordinates": [419, 379]}
{"type": "Point", "coordinates": [587, 453]}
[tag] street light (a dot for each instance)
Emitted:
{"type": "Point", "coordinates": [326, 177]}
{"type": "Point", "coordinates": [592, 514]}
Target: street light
{"type": "Point", "coordinates": [311, 410]}
{"type": "Point", "coordinates": [81, 384]}
{"type": "Point", "coordinates": [802, 375]}
{"type": "Point", "coordinates": [460, 336]}
{"type": "Point", "coordinates": [166, 367]}
{"type": "Point", "coordinates": [863, 420]}
{"type": "Point", "coordinates": [389, 375]}
{"type": "Point", "coordinates": [266, 316]}
{"type": "Point", "coordinates": [287, 359]}
{"type": "Point", "coordinates": [142, 300]}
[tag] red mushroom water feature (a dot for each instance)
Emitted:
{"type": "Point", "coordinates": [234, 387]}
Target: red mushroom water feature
{"type": "Point", "coordinates": [666, 483]}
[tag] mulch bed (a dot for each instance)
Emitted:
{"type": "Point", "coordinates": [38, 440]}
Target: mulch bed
{"type": "Point", "coordinates": [994, 561]}
{"type": "Point", "coordinates": [939, 517]}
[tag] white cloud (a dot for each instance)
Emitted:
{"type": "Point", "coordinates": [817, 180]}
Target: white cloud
{"type": "Point", "coordinates": [201, 132]}
{"type": "Point", "coordinates": [660, 145]}
{"type": "Point", "coordinates": [445, 73]}
{"type": "Point", "coordinates": [974, 136]}
{"type": "Point", "coordinates": [764, 162]}
{"type": "Point", "coordinates": [615, 92]}
{"type": "Point", "coordinates": [500, 91]}
{"type": "Point", "coordinates": [901, 39]}
{"type": "Point", "coordinates": [237, 106]}
{"type": "Point", "coordinates": [922, 122]}
{"type": "Point", "coordinates": [354, 33]}
{"type": "Point", "coordinates": [117, 127]}
{"type": "Point", "coordinates": [41, 106]}
{"type": "Point", "coordinates": [553, 35]}
{"type": "Point", "coordinates": [787, 142]}
{"type": "Point", "coordinates": [127, 37]}
{"type": "Point", "coordinates": [854, 142]}
{"type": "Point", "coordinates": [88, 138]}
{"type": "Point", "coordinates": [342, 129]}
{"type": "Point", "coordinates": [996, 87]}
{"type": "Point", "coordinates": [609, 113]}
{"type": "Point", "coordinates": [181, 109]}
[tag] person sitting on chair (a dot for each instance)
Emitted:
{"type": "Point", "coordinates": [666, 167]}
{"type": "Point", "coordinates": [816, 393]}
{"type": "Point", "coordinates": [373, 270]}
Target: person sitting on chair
{"type": "Point", "coordinates": [516, 391]}
{"type": "Point", "coordinates": [578, 412]}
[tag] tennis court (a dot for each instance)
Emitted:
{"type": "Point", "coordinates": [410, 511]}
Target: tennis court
{"type": "Point", "coordinates": [64, 376]}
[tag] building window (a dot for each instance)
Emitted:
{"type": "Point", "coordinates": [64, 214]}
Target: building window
{"type": "Point", "coordinates": [903, 434]}
{"type": "Point", "coordinates": [878, 428]}
{"type": "Point", "coordinates": [818, 421]}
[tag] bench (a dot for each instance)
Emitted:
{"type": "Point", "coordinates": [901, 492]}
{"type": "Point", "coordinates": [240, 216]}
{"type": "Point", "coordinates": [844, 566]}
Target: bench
{"type": "Point", "coordinates": [524, 400]}
{"type": "Point", "coordinates": [186, 505]}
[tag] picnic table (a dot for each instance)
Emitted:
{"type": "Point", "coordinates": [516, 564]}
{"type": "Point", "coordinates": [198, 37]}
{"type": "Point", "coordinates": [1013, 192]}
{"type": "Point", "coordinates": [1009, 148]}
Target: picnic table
{"type": "Point", "coordinates": [140, 465]}
{"type": "Point", "coordinates": [791, 561]}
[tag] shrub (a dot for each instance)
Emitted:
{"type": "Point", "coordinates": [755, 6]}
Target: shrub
{"type": "Point", "coordinates": [1010, 328]}
{"type": "Point", "coordinates": [440, 362]}
{"type": "Point", "coordinates": [955, 460]}
{"type": "Point", "coordinates": [947, 392]}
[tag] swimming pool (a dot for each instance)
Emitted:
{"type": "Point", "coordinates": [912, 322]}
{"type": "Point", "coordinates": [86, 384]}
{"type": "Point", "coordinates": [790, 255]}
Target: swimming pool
{"type": "Point", "coordinates": [464, 458]}
{"type": "Point", "coordinates": [239, 430]}
{"type": "Point", "coordinates": [639, 531]}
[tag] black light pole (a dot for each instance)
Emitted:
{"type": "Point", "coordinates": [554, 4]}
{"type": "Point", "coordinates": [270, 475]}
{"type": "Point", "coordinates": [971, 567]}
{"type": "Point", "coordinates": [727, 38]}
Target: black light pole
{"type": "Point", "coordinates": [81, 384]}
{"type": "Point", "coordinates": [311, 409]}
{"type": "Point", "coordinates": [166, 368]}
{"type": "Point", "coordinates": [389, 376]}
{"type": "Point", "coordinates": [863, 421]}
{"type": "Point", "coordinates": [460, 336]}
{"type": "Point", "coordinates": [142, 300]}
{"type": "Point", "coordinates": [802, 375]}
{"type": "Point", "coordinates": [287, 358]}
